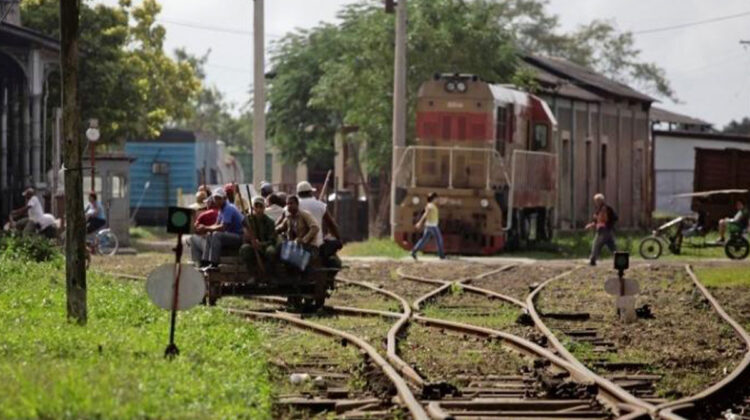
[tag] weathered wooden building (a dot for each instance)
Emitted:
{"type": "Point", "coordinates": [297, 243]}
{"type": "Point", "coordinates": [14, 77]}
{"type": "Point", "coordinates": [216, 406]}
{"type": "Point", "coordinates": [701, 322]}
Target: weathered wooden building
{"type": "Point", "coordinates": [602, 142]}
{"type": "Point", "coordinates": [26, 60]}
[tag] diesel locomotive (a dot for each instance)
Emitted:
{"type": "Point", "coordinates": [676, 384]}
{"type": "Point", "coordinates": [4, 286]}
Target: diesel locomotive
{"type": "Point", "coordinates": [487, 151]}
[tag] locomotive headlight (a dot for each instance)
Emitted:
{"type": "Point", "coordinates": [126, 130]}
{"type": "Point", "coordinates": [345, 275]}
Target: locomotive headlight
{"type": "Point", "coordinates": [450, 86]}
{"type": "Point", "coordinates": [484, 203]}
{"type": "Point", "coordinates": [461, 87]}
{"type": "Point", "coordinates": [415, 200]}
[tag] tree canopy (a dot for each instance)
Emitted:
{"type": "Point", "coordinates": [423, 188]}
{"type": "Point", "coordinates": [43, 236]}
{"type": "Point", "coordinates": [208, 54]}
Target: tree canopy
{"type": "Point", "coordinates": [126, 80]}
{"type": "Point", "coordinates": [342, 74]}
{"type": "Point", "coordinates": [738, 127]}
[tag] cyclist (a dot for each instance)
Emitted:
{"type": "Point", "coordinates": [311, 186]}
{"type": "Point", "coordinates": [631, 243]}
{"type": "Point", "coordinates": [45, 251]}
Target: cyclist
{"type": "Point", "coordinates": [95, 215]}
{"type": "Point", "coordinates": [736, 224]}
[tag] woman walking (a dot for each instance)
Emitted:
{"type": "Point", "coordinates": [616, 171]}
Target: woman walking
{"type": "Point", "coordinates": [430, 219]}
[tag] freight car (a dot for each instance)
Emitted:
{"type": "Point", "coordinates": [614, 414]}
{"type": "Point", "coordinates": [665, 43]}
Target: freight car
{"type": "Point", "coordinates": [487, 151]}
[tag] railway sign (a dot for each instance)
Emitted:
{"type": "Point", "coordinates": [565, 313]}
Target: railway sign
{"type": "Point", "coordinates": [623, 289]}
{"type": "Point", "coordinates": [161, 282]}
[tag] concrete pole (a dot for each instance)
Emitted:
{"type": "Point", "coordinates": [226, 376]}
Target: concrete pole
{"type": "Point", "coordinates": [399, 102]}
{"type": "Point", "coordinates": [75, 261]}
{"type": "Point", "coordinates": [259, 97]}
{"type": "Point", "coordinates": [36, 139]}
{"type": "Point", "coordinates": [56, 140]}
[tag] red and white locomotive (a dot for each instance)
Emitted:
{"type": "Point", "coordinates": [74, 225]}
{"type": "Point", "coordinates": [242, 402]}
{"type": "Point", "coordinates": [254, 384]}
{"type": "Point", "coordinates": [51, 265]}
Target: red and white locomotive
{"type": "Point", "coordinates": [487, 151]}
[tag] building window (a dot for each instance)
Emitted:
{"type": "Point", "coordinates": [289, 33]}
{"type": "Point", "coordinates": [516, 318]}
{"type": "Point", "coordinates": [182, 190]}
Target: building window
{"type": "Point", "coordinates": [119, 188]}
{"type": "Point", "coordinates": [603, 161]}
{"type": "Point", "coordinates": [541, 134]}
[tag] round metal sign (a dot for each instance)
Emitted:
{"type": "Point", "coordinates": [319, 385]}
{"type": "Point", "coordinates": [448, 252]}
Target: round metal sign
{"type": "Point", "coordinates": [630, 287]}
{"type": "Point", "coordinates": [160, 286]}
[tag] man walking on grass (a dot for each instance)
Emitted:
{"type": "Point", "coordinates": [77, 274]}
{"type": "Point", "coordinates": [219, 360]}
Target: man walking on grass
{"type": "Point", "coordinates": [604, 224]}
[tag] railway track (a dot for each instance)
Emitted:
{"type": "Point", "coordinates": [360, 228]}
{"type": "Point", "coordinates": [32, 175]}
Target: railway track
{"type": "Point", "coordinates": [532, 374]}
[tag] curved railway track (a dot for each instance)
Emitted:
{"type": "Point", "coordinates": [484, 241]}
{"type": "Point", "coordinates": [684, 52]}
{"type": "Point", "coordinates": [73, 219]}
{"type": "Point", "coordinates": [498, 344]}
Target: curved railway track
{"type": "Point", "coordinates": [496, 396]}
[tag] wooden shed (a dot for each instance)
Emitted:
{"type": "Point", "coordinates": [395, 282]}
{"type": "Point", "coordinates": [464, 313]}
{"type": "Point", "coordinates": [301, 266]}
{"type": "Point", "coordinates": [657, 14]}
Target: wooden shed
{"type": "Point", "coordinates": [602, 142]}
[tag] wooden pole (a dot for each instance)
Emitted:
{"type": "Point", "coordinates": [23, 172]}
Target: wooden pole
{"type": "Point", "coordinates": [399, 102]}
{"type": "Point", "coordinates": [75, 254]}
{"type": "Point", "coordinates": [259, 96]}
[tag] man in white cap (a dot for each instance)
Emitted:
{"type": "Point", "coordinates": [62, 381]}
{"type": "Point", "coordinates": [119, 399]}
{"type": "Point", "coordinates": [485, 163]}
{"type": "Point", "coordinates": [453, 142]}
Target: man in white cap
{"type": "Point", "coordinates": [34, 212]}
{"type": "Point", "coordinates": [225, 234]}
{"type": "Point", "coordinates": [318, 209]}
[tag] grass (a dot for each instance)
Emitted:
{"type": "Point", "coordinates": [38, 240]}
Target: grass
{"type": "Point", "coordinates": [113, 368]}
{"type": "Point", "coordinates": [732, 276]}
{"type": "Point", "coordinates": [149, 233]}
{"type": "Point", "coordinates": [565, 245]}
{"type": "Point", "coordinates": [375, 247]}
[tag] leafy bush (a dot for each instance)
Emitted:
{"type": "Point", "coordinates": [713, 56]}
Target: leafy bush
{"type": "Point", "coordinates": [27, 248]}
{"type": "Point", "coordinates": [113, 368]}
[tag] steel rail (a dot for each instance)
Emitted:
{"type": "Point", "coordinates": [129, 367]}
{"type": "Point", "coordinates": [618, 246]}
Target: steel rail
{"type": "Point", "coordinates": [404, 393]}
{"type": "Point", "coordinates": [400, 273]}
{"type": "Point", "coordinates": [613, 394]}
{"type": "Point", "coordinates": [490, 293]}
{"type": "Point", "coordinates": [120, 275]}
{"type": "Point", "coordinates": [620, 395]}
{"type": "Point", "coordinates": [348, 310]}
{"type": "Point", "coordinates": [391, 340]}
{"type": "Point", "coordinates": [736, 380]}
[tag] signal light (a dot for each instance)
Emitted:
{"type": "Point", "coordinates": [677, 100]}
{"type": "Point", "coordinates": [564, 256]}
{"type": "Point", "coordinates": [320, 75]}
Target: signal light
{"type": "Point", "coordinates": [178, 220]}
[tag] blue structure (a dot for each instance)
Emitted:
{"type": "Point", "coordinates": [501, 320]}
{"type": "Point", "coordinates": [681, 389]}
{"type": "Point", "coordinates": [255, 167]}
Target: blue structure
{"type": "Point", "coordinates": [174, 160]}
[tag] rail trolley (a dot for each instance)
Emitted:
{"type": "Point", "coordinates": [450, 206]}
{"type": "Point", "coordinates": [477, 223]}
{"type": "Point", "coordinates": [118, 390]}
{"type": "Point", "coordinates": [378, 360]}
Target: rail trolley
{"type": "Point", "coordinates": [487, 151]}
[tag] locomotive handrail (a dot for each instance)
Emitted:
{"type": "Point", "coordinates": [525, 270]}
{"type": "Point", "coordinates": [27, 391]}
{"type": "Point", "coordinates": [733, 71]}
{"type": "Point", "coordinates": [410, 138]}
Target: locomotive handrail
{"type": "Point", "coordinates": [490, 153]}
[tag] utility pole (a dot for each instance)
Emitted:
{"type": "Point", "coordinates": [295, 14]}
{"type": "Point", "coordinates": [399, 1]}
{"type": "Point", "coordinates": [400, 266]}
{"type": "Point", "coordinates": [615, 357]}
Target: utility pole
{"type": "Point", "coordinates": [75, 263]}
{"type": "Point", "coordinates": [259, 97]}
{"type": "Point", "coordinates": [399, 102]}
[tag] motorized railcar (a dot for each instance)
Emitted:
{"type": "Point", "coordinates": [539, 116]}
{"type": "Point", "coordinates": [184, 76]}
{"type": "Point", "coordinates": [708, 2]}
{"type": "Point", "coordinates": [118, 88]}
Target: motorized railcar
{"type": "Point", "coordinates": [487, 151]}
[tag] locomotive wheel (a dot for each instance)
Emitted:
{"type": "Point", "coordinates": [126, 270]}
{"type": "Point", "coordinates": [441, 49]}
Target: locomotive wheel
{"type": "Point", "coordinates": [737, 248]}
{"type": "Point", "coordinates": [650, 248]}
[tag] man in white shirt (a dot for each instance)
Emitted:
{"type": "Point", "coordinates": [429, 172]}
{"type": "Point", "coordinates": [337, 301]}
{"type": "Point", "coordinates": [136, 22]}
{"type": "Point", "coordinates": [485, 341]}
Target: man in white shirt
{"type": "Point", "coordinates": [34, 212]}
{"type": "Point", "coordinates": [318, 209]}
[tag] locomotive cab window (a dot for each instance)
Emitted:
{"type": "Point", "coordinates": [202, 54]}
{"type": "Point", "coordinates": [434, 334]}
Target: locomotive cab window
{"type": "Point", "coordinates": [540, 140]}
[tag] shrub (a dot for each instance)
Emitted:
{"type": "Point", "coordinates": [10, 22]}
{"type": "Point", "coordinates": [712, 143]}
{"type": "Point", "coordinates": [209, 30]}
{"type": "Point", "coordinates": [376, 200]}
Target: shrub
{"type": "Point", "coordinates": [27, 248]}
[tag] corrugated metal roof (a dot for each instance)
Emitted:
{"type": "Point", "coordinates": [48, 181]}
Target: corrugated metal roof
{"type": "Point", "coordinates": [585, 77]}
{"type": "Point", "coordinates": [662, 115]}
{"type": "Point", "coordinates": [562, 87]}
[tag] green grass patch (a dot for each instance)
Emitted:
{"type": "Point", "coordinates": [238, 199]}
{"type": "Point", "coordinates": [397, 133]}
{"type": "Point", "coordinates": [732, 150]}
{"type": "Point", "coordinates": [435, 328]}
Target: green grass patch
{"type": "Point", "coordinates": [375, 247]}
{"type": "Point", "coordinates": [113, 368]}
{"type": "Point", "coordinates": [734, 276]}
{"type": "Point", "coordinates": [149, 233]}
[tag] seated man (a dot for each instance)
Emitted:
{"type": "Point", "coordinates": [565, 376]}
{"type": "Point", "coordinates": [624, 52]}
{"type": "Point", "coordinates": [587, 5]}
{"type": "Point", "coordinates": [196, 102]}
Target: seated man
{"type": "Point", "coordinates": [736, 224]}
{"type": "Point", "coordinates": [95, 215]}
{"type": "Point", "coordinates": [225, 234]}
{"type": "Point", "coordinates": [261, 239]}
{"type": "Point", "coordinates": [298, 225]}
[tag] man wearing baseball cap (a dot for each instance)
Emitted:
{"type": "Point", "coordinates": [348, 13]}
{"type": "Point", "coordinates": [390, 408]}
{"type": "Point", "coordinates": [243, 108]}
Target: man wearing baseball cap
{"type": "Point", "coordinates": [34, 212]}
{"type": "Point", "coordinates": [318, 209]}
{"type": "Point", "coordinates": [260, 237]}
{"type": "Point", "coordinates": [225, 234]}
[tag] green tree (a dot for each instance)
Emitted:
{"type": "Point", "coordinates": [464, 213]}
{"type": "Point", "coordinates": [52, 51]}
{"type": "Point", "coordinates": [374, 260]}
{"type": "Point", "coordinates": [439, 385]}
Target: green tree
{"type": "Point", "coordinates": [333, 76]}
{"type": "Point", "coordinates": [342, 75]}
{"type": "Point", "coordinates": [126, 79]}
{"type": "Point", "coordinates": [597, 45]}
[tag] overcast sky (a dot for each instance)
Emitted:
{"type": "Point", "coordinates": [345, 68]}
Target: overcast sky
{"type": "Point", "coordinates": [708, 68]}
